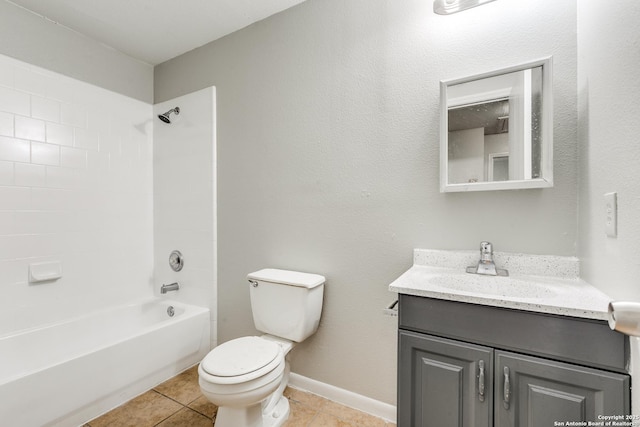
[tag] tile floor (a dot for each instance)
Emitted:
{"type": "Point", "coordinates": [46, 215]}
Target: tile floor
{"type": "Point", "coordinates": [178, 403]}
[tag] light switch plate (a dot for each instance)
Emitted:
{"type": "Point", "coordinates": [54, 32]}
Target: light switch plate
{"type": "Point", "coordinates": [611, 214]}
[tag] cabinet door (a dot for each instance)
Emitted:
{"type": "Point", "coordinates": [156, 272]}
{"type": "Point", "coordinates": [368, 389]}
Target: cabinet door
{"type": "Point", "coordinates": [443, 383]}
{"type": "Point", "coordinates": [534, 392]}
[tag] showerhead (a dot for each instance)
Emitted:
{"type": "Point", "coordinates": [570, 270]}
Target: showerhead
{"type": "Point", "coordinates": [165, 117]}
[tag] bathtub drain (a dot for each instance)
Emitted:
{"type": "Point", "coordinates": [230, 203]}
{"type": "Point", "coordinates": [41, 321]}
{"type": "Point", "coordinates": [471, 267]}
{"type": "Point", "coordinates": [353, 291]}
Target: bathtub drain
{"type": "Point", "coordinates": [171, 311]}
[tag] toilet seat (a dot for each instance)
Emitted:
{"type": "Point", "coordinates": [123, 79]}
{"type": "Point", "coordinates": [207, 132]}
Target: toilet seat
{"type": "Point", "coordinates": [241, 360]}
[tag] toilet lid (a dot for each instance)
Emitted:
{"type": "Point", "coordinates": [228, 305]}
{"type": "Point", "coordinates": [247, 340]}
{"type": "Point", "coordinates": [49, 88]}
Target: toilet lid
{"type": "Point", "coordinates": [240, 356]}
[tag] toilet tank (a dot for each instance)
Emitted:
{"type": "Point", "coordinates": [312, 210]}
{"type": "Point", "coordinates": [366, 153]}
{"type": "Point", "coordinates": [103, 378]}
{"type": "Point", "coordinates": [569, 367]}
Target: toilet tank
{"type": "Point", "coordinates": [286, 304]}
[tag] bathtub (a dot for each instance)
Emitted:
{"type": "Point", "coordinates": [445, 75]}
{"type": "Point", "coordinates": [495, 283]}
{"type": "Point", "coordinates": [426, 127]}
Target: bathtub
{"type": "Point", "coordinates": [67, 373]}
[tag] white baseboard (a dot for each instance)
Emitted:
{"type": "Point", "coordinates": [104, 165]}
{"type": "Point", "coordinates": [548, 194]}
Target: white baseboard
{"type": "Point", "coordinates": [344, 397]}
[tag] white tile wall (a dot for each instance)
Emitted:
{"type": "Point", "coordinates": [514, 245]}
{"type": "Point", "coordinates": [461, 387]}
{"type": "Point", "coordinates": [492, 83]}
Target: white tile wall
{"type": "Point", "coordinates": [6, 124]}
{"type": "Point", "coordinates": [13, 101]}
{"type": "Point", "coordinates": [6, 173]}
{"type": "Point", "coordinates": [14, 150]}
{"type": "Point", "coordinates": [76, 186]}
{"type": "Point", "coordinates": [45, 154]}
{"type": "Point", "coordinates": [27, 128]}
{"type": "Point", "coordinates": [45, 109]}
{"type": "Point", "coordinates": [59, 134]}
{"type": "Point", "coordinates": [29, 175]}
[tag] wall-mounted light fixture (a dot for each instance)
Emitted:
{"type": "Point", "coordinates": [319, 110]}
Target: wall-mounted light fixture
{"type": "Point", "coordinates": [447, 7]}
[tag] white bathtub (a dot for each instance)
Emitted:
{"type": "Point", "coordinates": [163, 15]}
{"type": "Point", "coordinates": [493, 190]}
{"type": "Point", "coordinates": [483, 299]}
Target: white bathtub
{"type": "Point", "coordinates": [70, 372]}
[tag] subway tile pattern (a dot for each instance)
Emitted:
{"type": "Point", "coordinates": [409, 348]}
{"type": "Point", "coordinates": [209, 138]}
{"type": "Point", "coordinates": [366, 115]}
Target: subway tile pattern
{"type": "Point", "coordinates": [75, 186]}
{"type": "Point", "coordinates": [179, 403]}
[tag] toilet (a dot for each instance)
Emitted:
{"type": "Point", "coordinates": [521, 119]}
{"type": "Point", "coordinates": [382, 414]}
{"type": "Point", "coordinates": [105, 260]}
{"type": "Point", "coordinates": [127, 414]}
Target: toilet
{"type": "Point", "coordinates": [246, 377]}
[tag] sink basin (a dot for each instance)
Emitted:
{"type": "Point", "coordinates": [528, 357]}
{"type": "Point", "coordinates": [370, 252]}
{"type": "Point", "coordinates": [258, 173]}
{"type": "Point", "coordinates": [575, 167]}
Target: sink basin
{"type": "Point", "coordinates": [493, 286]}
{"type": "Point", "coordinates": [538, 283]}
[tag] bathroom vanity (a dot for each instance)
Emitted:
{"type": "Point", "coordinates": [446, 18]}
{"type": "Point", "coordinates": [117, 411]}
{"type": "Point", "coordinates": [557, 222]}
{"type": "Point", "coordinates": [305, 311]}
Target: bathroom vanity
{"type": "Point", "coordinates": [505, 351]}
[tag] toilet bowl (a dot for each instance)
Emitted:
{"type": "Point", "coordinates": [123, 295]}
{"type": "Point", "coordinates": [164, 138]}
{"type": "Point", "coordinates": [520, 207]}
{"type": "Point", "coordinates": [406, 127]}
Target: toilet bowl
{"type": "Point", "coordinates": [246, 377]}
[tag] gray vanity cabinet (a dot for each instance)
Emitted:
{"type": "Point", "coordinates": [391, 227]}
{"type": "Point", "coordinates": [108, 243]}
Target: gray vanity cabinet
{"type": "Point", "coordinates": [538, 392]}
{"type": "Point", "coordinates": [467, 365]}
{"type": "Point", "coordinates": [446, 383]}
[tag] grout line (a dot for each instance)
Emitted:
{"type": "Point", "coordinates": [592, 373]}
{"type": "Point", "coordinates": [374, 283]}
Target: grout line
{"type": "Point", "coordinates": [183, 407]}
{"type": "Point", "coordinates": [173, 413]}
{"type": "Point", "coordinates": [169, 397]}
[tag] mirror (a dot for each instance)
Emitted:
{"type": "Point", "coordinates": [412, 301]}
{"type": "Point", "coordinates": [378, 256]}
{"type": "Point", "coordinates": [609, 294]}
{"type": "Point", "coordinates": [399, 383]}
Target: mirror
{"type": "Point", "coordinates": [496, 130]}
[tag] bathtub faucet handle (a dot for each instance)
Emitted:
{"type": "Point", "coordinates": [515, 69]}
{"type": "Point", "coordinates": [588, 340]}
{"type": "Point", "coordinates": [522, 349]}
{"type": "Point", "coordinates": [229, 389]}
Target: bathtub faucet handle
{"type": "Point", "coordinates": [172, 287]}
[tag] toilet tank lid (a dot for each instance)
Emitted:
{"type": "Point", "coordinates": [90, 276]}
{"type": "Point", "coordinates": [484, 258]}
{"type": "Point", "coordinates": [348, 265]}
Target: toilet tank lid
{"type": "Point", "coordinates": [287, 277]}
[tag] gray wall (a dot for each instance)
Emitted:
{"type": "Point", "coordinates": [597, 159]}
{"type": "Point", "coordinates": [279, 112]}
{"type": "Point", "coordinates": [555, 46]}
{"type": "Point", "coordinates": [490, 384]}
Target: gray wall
{"type": "Point", "coordinates": [328, 158]}
{"type": "Point", "coordinates": [609, 131]}
{"type": "Point", "coordinates": [33, 39]}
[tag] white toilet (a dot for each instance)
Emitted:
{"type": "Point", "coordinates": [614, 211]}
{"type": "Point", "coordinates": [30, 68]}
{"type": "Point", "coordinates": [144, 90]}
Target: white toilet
{"type": "Point", "coordinates": [245, 377]}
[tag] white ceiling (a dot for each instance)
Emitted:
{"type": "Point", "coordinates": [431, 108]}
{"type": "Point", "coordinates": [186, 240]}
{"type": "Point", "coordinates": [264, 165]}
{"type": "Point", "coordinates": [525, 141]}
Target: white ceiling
{"type": "Point", "coordinates": [154, 31]}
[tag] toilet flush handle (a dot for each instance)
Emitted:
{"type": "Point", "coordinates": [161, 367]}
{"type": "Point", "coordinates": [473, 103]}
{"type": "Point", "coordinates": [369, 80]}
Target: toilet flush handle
{"type": "Point", "coordinates": [253, 283]}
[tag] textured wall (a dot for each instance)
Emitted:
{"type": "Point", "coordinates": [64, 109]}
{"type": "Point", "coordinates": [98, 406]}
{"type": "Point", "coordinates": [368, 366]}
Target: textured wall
{"type": "Point", "coordinates": [608, 94]}
{"type": "Point", "coordinates": [33, 39]}
{"type": "Point", "coordinates": [75, 186]}
{"type": "Point", "coordinates": [609, 89]}
{"type": "Point", "coordinates": [328, 158]}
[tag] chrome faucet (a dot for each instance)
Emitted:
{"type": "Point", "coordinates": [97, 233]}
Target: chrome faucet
{"type": "Point", "coordinates": [486, 265]}
{"type": "Point", "coordinates": [172, 287]}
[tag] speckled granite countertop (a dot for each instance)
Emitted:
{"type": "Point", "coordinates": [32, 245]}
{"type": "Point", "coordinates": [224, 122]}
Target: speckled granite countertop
{"type": "Point", "coordinates": [543, 284]}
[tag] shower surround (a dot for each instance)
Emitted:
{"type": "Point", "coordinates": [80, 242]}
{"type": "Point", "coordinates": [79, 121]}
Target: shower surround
{"type": "Point", "coordinates": [184, 199]}
{"type": "Point", "coordinates": [77, 188]}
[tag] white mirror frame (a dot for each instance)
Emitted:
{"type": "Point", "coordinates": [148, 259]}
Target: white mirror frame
{"type": "Point", "coordinates": [546, 166]}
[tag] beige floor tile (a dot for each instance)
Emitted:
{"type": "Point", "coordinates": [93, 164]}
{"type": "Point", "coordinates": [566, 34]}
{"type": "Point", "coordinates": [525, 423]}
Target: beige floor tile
{"type": "Point", "coordinates": [160, 407]}
{"type": "Point", "coordinates": [145, 410]}
{"type": "Point", "coordinates": [366, 420]}
{"type": "Point", "coordinates": [183, 387]}
{"type": "Point", "coordinates": [186, 418]}
{"type": "Point", "coordinates": [203, 406]}
{"type": "Point", "coordinates": [328, 420]}
{"type": "Point", "coordinates": [352, 416]}
{"type": "Point", "coordinates": [300, 415]}
{"type": "Point", "coordinates": [309, 399]}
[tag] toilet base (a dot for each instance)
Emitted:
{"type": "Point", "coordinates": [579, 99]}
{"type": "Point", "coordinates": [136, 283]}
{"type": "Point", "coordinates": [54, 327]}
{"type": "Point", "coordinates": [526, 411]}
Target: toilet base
{"type": "Point", "coordinates": [253, 416]}
{"type": "Point", "coordinates": [279, 415]}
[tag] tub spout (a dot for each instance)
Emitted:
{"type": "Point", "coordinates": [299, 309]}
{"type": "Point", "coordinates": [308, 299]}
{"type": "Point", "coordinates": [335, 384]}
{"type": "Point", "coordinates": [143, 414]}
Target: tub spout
{"type": "Point", "coordinates": [172, 287]}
